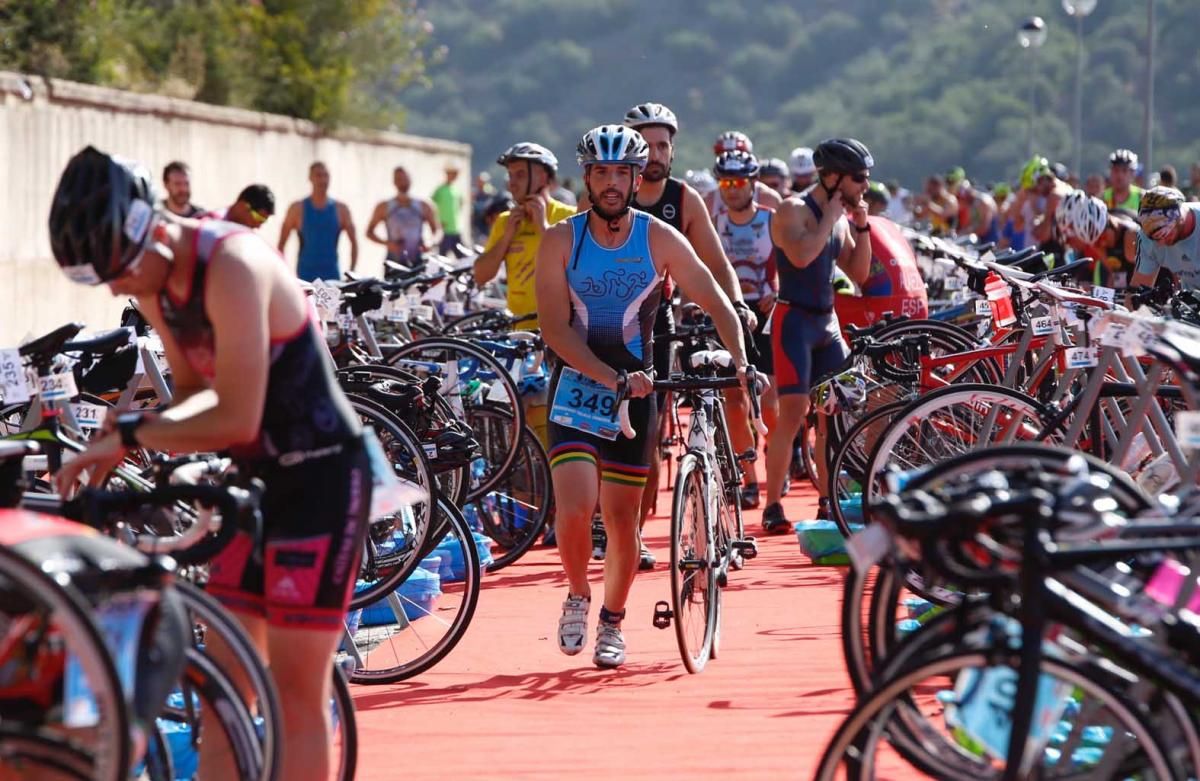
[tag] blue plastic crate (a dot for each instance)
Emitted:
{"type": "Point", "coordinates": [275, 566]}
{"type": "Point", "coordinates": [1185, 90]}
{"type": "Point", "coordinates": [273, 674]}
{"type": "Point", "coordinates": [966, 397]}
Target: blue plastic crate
{"type": "Point", "coordinates": [453, 565]}
{"type": "Point", "coordinates": [822, 541]}
{"type": "Point", "coordinates": [417, 594]}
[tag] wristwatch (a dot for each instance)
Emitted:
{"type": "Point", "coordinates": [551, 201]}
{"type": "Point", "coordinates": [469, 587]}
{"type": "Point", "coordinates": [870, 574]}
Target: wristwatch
{"type": "Point", "coordinates": [863, 229]}
{"type": "Point", "coordinates": [127, 425]}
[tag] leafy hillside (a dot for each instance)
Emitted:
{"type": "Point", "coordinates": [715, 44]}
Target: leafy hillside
{"type": "Point", "coordinates": [928, 84]}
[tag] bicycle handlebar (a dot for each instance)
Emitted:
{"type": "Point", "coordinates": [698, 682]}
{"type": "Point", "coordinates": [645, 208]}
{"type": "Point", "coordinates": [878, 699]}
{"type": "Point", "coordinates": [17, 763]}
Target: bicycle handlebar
{"type": "Point", "coordinates": [691, 384]}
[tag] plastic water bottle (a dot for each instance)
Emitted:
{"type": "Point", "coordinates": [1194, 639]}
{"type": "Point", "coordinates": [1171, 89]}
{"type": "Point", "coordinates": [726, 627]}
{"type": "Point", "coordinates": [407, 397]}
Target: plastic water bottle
{"type": "Point", "coordinates": [1000, 296]}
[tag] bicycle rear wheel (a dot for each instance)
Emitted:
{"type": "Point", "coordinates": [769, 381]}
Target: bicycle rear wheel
{"type": "Point", "coordinates": [693, 571]}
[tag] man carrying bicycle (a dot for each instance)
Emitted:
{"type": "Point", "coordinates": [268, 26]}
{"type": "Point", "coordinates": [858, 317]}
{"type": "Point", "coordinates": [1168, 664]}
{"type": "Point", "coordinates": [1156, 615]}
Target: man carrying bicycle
{"type": "Point", "coordinates": [252, 375]}
{"type": "Point", "coordinates": [599, 279]}
{"type": "Point", "coordinates": [813, 237]}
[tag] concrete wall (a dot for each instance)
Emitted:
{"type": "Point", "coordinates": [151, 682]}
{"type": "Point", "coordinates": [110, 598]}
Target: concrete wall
{"type": "Point", "coordinates": [44, 122]}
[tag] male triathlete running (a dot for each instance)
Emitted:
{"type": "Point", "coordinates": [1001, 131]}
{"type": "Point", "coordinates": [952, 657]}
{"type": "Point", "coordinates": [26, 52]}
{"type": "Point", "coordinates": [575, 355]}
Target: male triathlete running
{"type": "Point", "coordinates": [812, 236]}
{"type": "Point", "coordinates": [744, 226]}
{"type": "Point", "coordinates": [674, 202]}
{"type": "Point", "coordinates": [599, 277]}
{"type": "Point", "coordinates": [1170, 239]}
{"type": "Point", "coordinates": [1122, 192]}
{"type": "Point", "coordinates": [516, 234]}
{"type": "Point", "coordinates": [737, 141]}
{"type": "Point", "coordinates": [404, 218]}
{"type": "Point", "coordinates": [252, 375]}
{"type": "Point", "coordinates": [1090, 230]}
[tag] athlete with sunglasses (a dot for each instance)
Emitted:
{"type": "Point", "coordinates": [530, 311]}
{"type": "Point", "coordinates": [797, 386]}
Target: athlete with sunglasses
{"type": "Point", "coordinates": [812, 236]}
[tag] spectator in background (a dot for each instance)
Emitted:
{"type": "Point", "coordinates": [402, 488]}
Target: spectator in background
{"type": "Point", "coordinates": [774, 174]}
{"type": "Point", "coordinates": [1122, 192]}
{"type": "Point", "coordinates": [977, 213]}
{"type": "Point", "coordinates": [177, 181]}
{"type": "Point", "coordinates": [937, 205]}
{"type": "Point", "coordinates": [899, 208]}
{"type": "Point", "coordinates": [404, 217]}
{"type": "Point", "coordinates": [804, 170]}
{"type": "Point", "coordinates": [1168, 177]}
{"type": "Point", "coordinates": [319, 220]}
{"type": "Point", "coordinates": [253, 207]}
{"type": "Point", "coordinates": [448, 201]}
{"type": "Point", "coordinates": [877, 197]}
{"type": "Point", "coordinates": [1094, 186]}
{"type": "Point", "coordinates": [481, 198]}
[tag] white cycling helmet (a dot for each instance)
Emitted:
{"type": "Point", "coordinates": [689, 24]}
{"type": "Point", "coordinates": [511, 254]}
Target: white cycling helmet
{"type": "Point", "coordinates": [1083, 216]}
{"type": "Point", "coordinates": [702, 181]}
{"type": "Point", "coordinates": [651, 114]}
{"type": "Point", "coordinates": [534, 153]}
{"type": "Point", "coordinates": [802, 162]}
{"type": "Point", "coordinates": [613, 144]}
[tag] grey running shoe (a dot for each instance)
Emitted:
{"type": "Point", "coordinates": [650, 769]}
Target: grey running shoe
{"type": "Point", "coordinates": [610, 646]}
{"type": "Point", "coordinates": [572, 625]}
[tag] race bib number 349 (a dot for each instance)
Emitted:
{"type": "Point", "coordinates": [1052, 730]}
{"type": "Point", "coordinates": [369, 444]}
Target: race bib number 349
{"type": "Point", "coordinates": [583, 404]}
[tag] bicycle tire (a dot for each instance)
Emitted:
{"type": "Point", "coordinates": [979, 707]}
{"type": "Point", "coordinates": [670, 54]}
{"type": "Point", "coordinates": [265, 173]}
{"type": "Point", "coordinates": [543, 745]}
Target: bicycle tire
{"type": "Point", "coordinates": [220, 699]}
{"type": "Point", "coordinates": [347, 725]}
{"type": "Point", "coordinates": [384, 569]}
{"type": "Point", "coordinates": [397, 355]}
{"type": "Point", "coordinates": [849, 457]}
{"type": "Point", "coordinates": [516, 541]}
{"type": "Point", "coordinates": [889, 694]}
{"type": "Point", "coordinates": [692, 563]}
{"type": "Point", "coordinates": [21, 744]}
{"type": "Point", "coordinates": [206, 610]}
{"type": "Point", "coordinates": [72, 616]}
{"type": "Point", "coordinates": [453, 524]}
{"type": "Point", "coordinates": [920, 413]}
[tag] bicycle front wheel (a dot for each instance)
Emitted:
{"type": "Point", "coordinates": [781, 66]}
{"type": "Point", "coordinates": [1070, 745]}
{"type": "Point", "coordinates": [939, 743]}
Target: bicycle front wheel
{"type": "Point", "coordinates": [693, 566]}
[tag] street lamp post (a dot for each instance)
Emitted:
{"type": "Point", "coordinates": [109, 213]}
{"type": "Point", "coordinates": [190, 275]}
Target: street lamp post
{"type": "Point", "coordinates": [1148, 113]}
{"type": "Point", "coordinates": [1032, 35]}
{"type": "Point", "coordinates": [1078, 9]}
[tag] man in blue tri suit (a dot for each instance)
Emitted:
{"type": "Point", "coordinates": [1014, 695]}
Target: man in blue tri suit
{"type": "Point", "coordinates": [319, 220]}
{"type": "Point", "coordinates": [599, 279]}
{"type": "Point", "coordinates": [813, 236]}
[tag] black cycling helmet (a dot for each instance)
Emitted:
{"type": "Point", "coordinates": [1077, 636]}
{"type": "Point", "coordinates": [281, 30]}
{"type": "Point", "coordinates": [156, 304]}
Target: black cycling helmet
{"type": "Point", "coordinates": [842, 156]}
{"type": "Point", "coordinates": [101, 216]}
{"type": "Point", "coordinates": [735, 165]}
{"type": "Point", "coordinates": [774, 167]}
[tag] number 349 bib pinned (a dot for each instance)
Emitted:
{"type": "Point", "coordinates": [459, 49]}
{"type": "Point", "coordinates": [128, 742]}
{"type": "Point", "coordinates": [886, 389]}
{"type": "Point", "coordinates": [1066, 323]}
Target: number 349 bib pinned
{"type": "Point", "coordinates": [586, 405]}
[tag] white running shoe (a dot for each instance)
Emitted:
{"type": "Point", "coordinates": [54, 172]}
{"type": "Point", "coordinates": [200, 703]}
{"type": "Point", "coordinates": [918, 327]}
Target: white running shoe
{"type": "Point", "coordinates": [572, 625]}
{"type": "Point", "coordinates": [610, 646]}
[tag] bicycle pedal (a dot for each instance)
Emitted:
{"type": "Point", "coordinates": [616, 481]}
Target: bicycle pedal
{"type": "Point", "coordinates": [662, 615]}
{"type": "Point", "coordinates": [749, 457]}
{"type": "Point", "coordinates": [692, 565]}
{"type": "Point", "coordinates": [722, 579]}
{"type": "Point", "coordinates": [747, 546]}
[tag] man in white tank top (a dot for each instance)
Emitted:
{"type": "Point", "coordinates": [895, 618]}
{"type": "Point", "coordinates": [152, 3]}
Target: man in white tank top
{"type": "Point", "coordinates": [404, 219]}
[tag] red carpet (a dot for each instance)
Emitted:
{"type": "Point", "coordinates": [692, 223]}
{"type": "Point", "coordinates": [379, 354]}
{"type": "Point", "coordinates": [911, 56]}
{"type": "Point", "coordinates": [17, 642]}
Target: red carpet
{"type": "Point", "coordinates": [507, 704]}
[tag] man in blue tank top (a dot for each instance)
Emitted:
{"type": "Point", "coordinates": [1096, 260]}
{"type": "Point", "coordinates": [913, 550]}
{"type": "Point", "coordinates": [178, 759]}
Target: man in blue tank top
{"type": "Point", "coordinates": [319, 220]}
{"type": "Point", "coordinates": [812, 235]}
{"type": "Point", "coordinates": [599, 279]}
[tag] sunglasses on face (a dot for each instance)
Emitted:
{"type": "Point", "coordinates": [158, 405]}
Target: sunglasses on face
{"type": "Point", "coordinates": [256, 215]}
{"type": "Point", "coordinates": [859, 178]}
{"type": "Point", "coordinates": [733, 184]}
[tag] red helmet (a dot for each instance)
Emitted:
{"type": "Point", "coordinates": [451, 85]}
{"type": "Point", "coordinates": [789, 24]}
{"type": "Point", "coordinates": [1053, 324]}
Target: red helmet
{"type": "Point", "coordinates": [732, 141]}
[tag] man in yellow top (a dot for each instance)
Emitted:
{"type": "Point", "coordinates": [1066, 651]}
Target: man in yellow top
{"type": "Point", "coordinates": [516, 234]}
{"type": "Point", "coordinates": [1123, 194]}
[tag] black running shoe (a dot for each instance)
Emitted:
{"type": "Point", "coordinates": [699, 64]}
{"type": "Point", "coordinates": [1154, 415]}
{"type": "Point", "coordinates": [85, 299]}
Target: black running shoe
{"type": "Point", "coordinates": [774, 521]}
